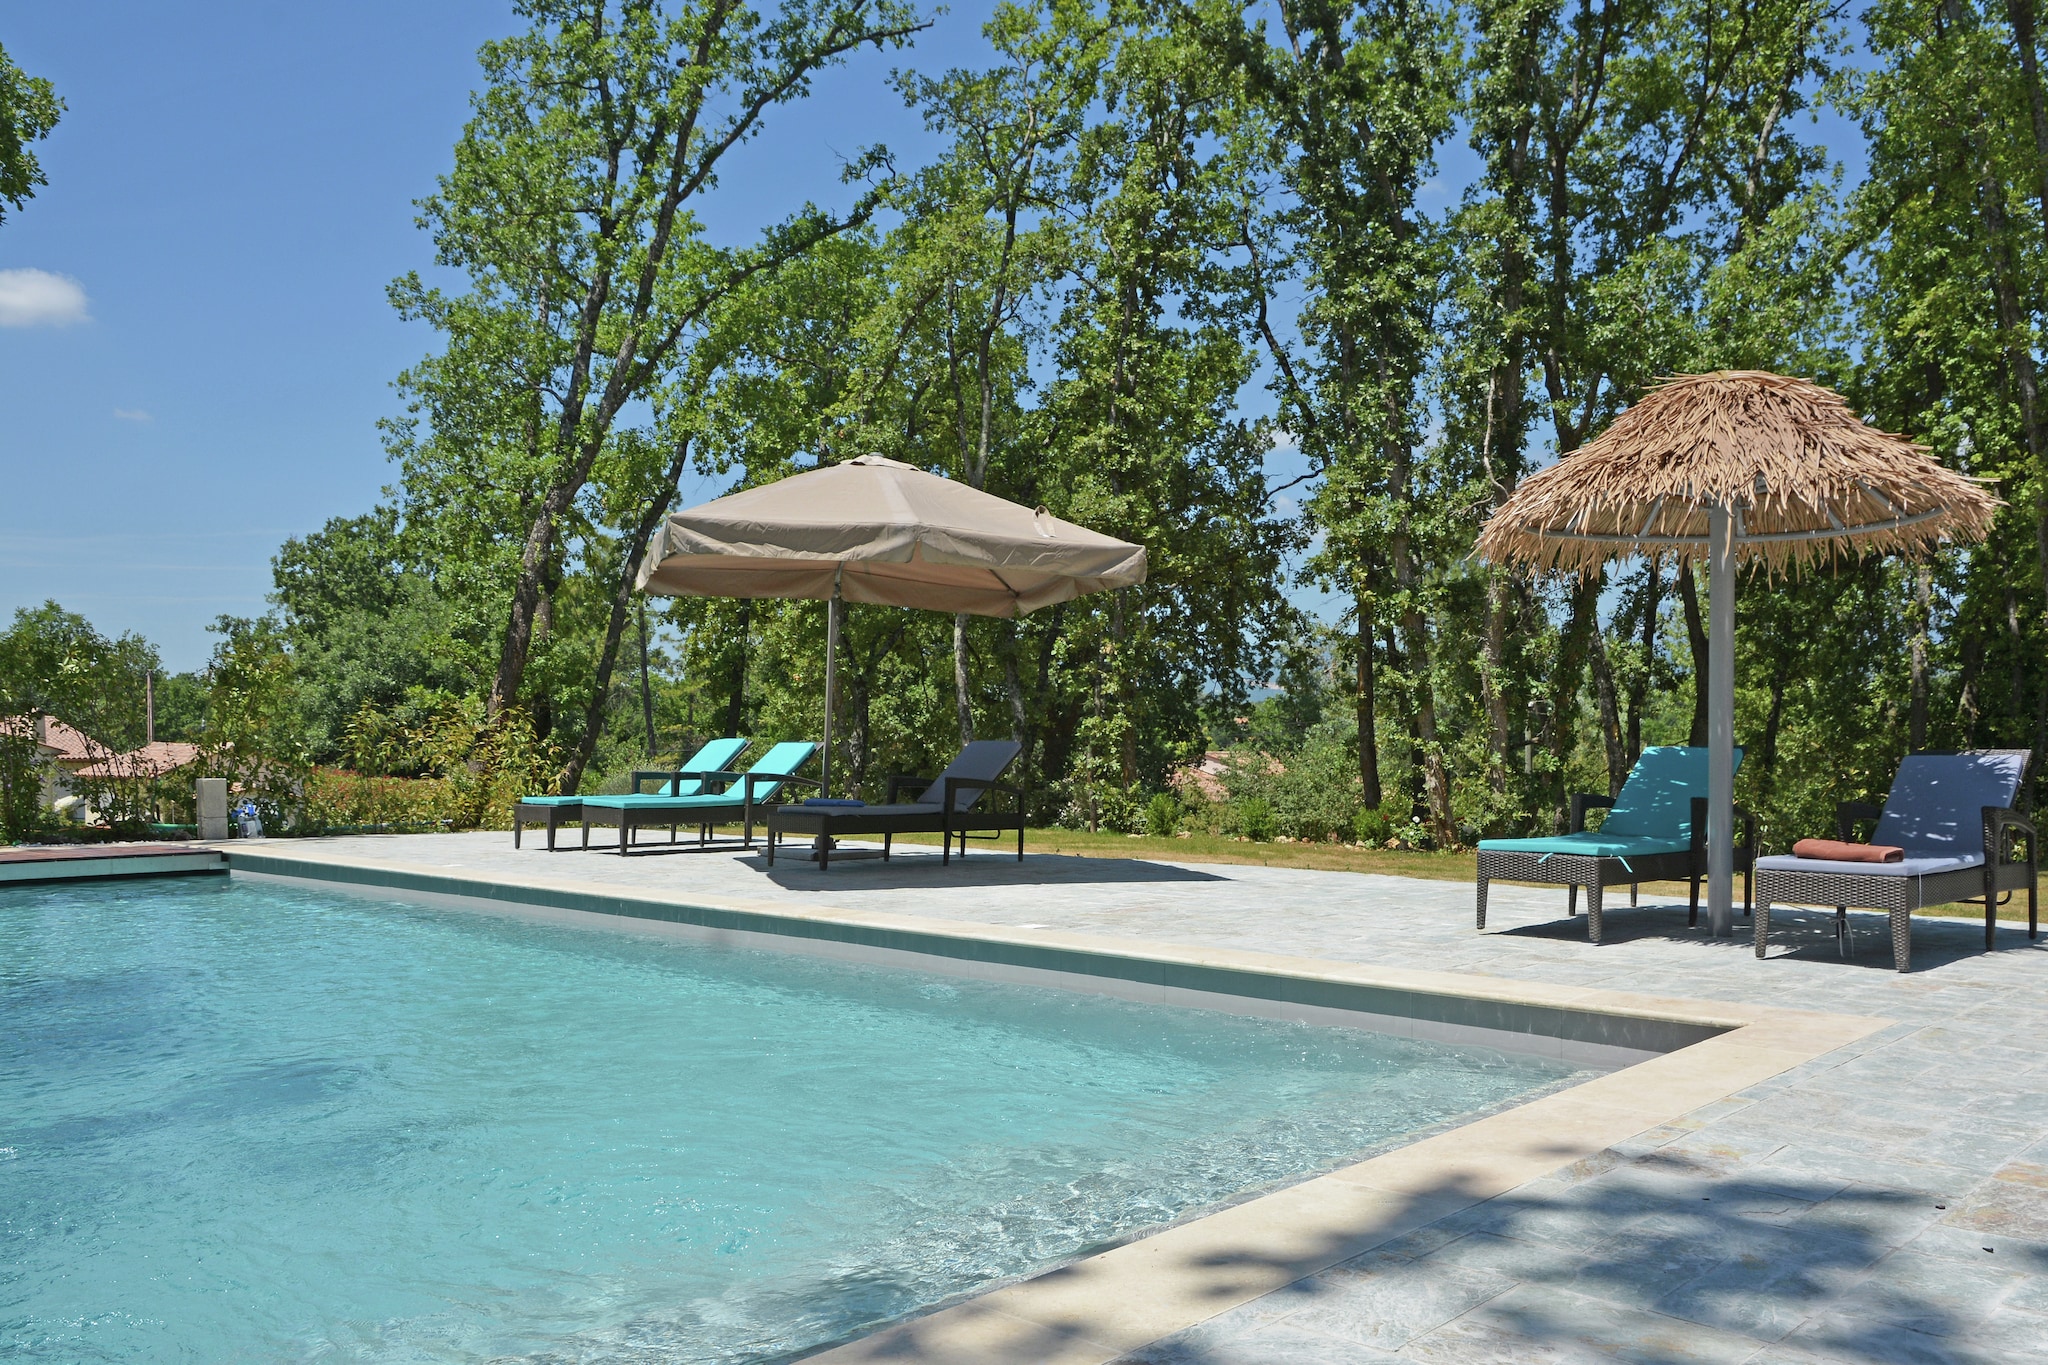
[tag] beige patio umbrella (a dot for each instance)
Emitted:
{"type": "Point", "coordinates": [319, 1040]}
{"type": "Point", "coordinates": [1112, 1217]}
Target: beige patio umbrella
{"type": "Point", "coordinates": [879, 531]}
{"type": "Point", "coordinates": [1734, 466]}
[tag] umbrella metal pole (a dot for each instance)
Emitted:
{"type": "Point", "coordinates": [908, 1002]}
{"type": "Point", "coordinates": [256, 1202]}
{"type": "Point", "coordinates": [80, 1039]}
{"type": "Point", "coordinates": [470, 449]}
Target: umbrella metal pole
{"type": "Point", "coordinates": [1721, 721]}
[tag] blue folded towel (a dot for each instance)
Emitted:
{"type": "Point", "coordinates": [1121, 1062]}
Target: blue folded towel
{"type": "Point", "coordinates": [831, 801]}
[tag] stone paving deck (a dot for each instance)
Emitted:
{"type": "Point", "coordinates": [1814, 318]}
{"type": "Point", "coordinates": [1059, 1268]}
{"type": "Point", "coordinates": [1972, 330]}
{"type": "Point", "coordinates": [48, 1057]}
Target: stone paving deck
{"type": "Point", "coordinates": [1887, 1202]}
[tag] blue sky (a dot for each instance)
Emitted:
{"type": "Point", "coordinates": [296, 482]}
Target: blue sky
{"type": "Point", "coordinates": [230, 192]}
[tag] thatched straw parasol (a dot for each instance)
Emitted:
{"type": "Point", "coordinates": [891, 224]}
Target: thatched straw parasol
{"type": "Point", "coordinates": [1733, 466]}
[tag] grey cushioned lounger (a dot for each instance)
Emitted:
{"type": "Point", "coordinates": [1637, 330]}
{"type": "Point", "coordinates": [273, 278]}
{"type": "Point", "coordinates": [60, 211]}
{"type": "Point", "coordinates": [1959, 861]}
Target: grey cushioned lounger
{"type": "Point", "coordinates": [1953, 814]}
{"type": "Point", "coordinates": [972, 773]}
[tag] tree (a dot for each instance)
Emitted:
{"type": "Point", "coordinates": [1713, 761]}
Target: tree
{"type": "Point", "coordinates": [29, 109]}
{"type": "Point", "coordinates": [1358, 98]}
{"type": "Point", "coordinates": [570, 209]}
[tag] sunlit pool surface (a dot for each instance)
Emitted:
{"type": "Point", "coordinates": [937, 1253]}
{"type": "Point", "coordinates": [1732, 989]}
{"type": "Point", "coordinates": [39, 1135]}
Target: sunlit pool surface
{"type": "Point", "coordinates": [246, 1122]}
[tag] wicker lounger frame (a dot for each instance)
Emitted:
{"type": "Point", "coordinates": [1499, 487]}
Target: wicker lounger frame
{"type": "Point", "coordinates": [825, 823]}
{"type": "Point", "coordinates": [700, 816]}
{"type": "Point", "coordinates": [1901, 896]}
{"type": "Point", "coordinates": [1596, 872]}
{"type": "Point", "coordinates": [556, 814]}
{"type": "Point", "coordinates": [547, 813]}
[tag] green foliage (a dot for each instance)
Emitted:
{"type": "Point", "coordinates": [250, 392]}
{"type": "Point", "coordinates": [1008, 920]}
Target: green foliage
{"type": "Point", "coordinates": [255, 735]}
{"type": "Point", "coordinates": [1134, 216]}
{"type": "Point", "coordinates": [1255, 819]}
{"type": "Point", "coordinates": [1371, 828]}
{"type": "Point", "coordinates": [54, 665]}
{"type": "Point", "coordinates": [341, 802]}
{"type": "Point", "coordinates": [29, 109]}
{"type": "Point", "coordinates": [1162, 815]}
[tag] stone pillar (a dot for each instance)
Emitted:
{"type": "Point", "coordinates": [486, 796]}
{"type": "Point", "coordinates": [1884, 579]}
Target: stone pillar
{"type": "Point", "coordinates": [213, 808]}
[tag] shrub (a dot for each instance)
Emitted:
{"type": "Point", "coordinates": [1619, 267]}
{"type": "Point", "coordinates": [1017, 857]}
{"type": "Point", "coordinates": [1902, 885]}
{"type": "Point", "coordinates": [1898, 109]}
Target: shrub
{"type": "Point", "coordinates": [1255, 819]}
{"type": "Point", "coordinates": [1371, 828]}
{"type": "Point", "coordinates": [337, 801]}
{"type": "Point", "coordinates": [1311, 792]}
{"type": "Point", "coordinates": [1162, 815]}
{"type": "Point", "coordinates": [1113, 808]}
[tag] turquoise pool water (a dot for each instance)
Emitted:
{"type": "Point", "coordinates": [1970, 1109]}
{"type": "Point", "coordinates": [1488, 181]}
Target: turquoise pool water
{"type": "Point", "coordinates": [246, 1122]}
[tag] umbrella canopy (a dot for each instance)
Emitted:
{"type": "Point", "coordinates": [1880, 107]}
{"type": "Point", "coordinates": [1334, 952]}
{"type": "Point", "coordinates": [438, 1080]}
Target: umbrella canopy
{"type": "Point", "coordinates": [878, 531]}
{"type": "Point", "coordinates": [1737, 465]}
{"type": "Point", "coordinates": [1802, 477]}
{"type": "Point", "coordinates": [883, 532]}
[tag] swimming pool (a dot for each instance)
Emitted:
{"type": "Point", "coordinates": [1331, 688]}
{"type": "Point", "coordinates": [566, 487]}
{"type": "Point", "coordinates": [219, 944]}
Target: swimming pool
{"type": "Point", "coordinates": [241, 1120]}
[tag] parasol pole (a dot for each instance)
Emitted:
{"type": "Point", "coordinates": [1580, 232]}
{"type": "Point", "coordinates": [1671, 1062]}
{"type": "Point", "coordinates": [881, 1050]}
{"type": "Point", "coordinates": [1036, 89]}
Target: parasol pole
{"type": "Point", "coordinates": [1720, 721]}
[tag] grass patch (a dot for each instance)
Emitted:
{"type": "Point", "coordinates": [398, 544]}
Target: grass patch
{"type": "Point", "coordinates": [1214, 848]}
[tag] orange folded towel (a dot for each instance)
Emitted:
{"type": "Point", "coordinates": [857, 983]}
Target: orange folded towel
{"type": "Point", "coordinates": [1835, 851]}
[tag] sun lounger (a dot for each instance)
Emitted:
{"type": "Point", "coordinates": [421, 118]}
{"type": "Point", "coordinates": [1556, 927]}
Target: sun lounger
{"type": "Point", "coordinates": [1655, 830]}
{"type": "Point", "coordinates": [683, 780]}
{"type": "Point", "coordinates": [1954, 816]}
{"type": "Point", "coordinates": [746, 797]}
{"type": "Point", "coordinates": [947, 805]}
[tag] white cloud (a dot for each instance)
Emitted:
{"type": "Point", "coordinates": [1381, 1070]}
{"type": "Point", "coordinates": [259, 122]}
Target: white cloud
{"type": "Point", "coordinates": [1283, 439]}
{"type": "Point", "coordinates": [37, 298]}
{"type": "Point", "coordinates": [133, 415]}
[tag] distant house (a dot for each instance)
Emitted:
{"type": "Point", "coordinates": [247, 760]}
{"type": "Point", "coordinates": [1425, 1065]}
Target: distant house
{"type": "Point", "coordinates": [151, 760]}
{"type": "Point", "coordinates": [68, 751]}
{"type": "Point", "coordinates": [59, 743]}
{"type": "Point", "coordinates": [74, 756]}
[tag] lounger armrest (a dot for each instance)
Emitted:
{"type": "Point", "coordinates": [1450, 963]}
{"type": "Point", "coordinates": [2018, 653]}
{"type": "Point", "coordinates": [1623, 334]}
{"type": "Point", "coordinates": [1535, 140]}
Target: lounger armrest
{"type": "Point", "coordinates": [973, 784]}
{"type": "Point", "coordinates": [754, 779]}
{"type": "Point", "coordinates": [670, 776]}
{"type": "Point", "coordinates": [1745, 830]}
{"type": "Point", "coordinates": [2000, 821]}
{"type": "Point", "coordinates": [1848, 813]}
{"type": "Point", "coordinates": [1583, 802]}
{"type": "Point", "coordinates": [897, 781]}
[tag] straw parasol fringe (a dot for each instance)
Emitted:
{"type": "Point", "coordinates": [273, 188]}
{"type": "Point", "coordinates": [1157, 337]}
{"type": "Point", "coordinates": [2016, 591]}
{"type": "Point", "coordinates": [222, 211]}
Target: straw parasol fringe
{"type": "Point", "coordinates": [1805, 478]}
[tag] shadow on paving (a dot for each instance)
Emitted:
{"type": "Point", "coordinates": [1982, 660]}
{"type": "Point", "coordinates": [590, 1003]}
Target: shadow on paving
{"type": "Point", "coordinates": [1658, 1260]}
{"type": "Point", "coordinates": [921, 870]}
{"type": "Point", "coordinates": [1797, 933]}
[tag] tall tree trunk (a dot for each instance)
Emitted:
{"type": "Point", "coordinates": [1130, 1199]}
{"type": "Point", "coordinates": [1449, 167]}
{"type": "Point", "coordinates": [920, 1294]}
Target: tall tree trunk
{"type": "Point", "coordinates": [1429, 756]}
{"type": "Point", "coordinates": [1610, 719]}
{"type": "Point", "coordinates": [1493, 676]}
{"type": "Point", "coordinates": [1969, 705]}
{"type": "Point", "coordinates": [736, 700]}
{"type": "Point", "coordinates": [1367, 708]}
{"type": "Point", "coordinates": [1501, 449]}
{"type": "Point", "coordinates": [646, 684]}
{"type": "Point", "coordinates": [1013, 684]}
{"type": "Point", "coordinates": [2013, 322]}
{"type": "Point", "coordinates": [2026, 40]}
{"type": "Point", "coordinates": [2016, 653]}
{"type": "Point", "coordinates": [1639, 687]}
{"type": "Point", "coordinates": [651, 513]}
{"type": "Point", "coordinates": [1126, 699]}
{"type": "Point", "coordinates": [1560, 729]}
{"type": "Point", "coordinates": [1767, 752]}
{"type": "Point", "coordinates": [1923, 612]}
{"type": "Point", "coordinates": [962, 703]}
{"type": "Point", "coordinates": [1696, 635]}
